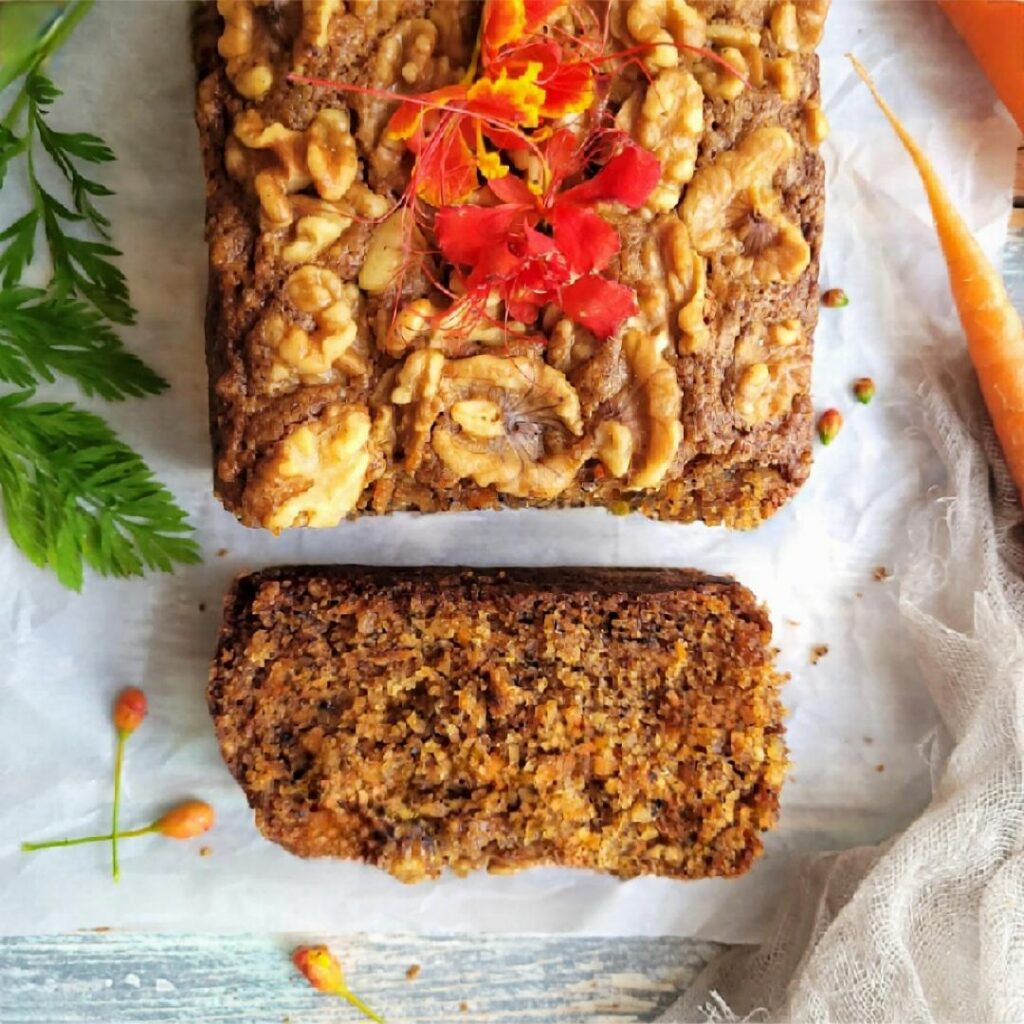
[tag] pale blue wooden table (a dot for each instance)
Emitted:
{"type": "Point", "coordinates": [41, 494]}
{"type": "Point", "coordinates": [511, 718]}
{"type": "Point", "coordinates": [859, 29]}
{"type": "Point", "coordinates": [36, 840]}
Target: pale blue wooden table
{"type": "Point", "coordinates": [115, 978]}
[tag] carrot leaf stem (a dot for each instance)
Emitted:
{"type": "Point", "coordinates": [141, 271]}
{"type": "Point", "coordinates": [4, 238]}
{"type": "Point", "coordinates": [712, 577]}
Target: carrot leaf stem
{"type": "Point", "coordinates": [115, 868]}
{"type": "Point", "coordinates": [79, 840]}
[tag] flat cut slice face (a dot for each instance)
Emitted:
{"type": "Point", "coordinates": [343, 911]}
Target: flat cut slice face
{"type": "Point", "coordinates": [662, 366]}
{"type": "Point", "coordinates": [625, 721]}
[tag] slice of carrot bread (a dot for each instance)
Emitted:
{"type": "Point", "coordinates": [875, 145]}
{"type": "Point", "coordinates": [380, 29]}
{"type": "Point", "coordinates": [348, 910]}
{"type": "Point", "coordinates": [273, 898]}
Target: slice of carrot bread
{"type": "Point", "coordinates": [626, 721]}
{"type": "Point", "coordinates": [380, 338]}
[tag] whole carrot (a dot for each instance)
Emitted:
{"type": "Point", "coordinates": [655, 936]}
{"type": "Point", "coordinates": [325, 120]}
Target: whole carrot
{"type": "Point", "coordinates": [992, 327]}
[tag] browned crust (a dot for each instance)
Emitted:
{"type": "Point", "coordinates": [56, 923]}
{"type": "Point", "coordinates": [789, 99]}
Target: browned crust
{"type": "Point", "coordinates": [621, 720]}
{"type": "Point", "coordinates": [724, 472]}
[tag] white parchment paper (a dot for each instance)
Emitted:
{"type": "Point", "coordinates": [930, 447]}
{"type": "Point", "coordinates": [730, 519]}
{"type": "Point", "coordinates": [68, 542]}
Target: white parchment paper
{"type": "Point", "coordinates": [858, 718]}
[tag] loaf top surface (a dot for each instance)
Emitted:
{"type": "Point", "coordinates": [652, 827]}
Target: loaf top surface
{"type": "Point", "coordinates": [626, 721]}
{"type": "Point", "coordinates": [365, 359]}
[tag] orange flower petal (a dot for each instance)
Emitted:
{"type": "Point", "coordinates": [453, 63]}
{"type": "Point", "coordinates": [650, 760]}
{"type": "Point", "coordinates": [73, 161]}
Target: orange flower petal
{"type": "Point", "coordinates": [446, 167]}
{"type": "Point", "coordinates": [509, 100]}
{"type": "Point", "coordinates": [408, 118]}
{"type": "Point", "coordinates": [538, 11]}
{"type": "Point", "coordinates": [504, 23]}
{"type": "Point", "coordinates": [569, 89]}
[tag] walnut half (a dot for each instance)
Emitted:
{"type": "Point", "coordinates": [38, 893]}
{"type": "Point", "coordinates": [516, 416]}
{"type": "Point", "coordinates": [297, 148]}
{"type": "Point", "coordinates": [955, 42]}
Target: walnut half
{"type": "Point", "coordinates": [320, 467]}
{"type": "Point", "coordinates": [512, 423]}
{"type": "Point", "coordinates": [732, 209]}
{"type": "Point", "coordinates": [640, 429]}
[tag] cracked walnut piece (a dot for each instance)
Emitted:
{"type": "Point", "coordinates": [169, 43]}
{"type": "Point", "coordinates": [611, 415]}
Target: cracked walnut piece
{"type": "Point", "coordinates": [508, 423]}
{"type": "Point", "coordinates": [732, 210]}
{"type": "Point", "coordinates": [334, 348]}
{"type": "Point", "coordinates": [322, 467]}
{"type": "Point", "coordinates": [797, 25]}
{"type": "Point", "coordinates": [640, 431]}
{"type": "Point", "coordinates": [279, 161]}
{"type": "Point", "coordinates": [772, 368]}
{"type": "Point", "coordinates": [662, 25]}
{"type": "Point", "coordinates": [246, 51]}
{"type": "Point", "coordinates": [740, 47]}
{"type": "Point", "coordinates": [667, 120]}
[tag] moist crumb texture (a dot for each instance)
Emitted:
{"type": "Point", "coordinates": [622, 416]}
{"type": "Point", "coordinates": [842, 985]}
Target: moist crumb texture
{"type": "Point", "coordinates": [341, 381]}
{"type": "Point", "coordinates": [625, 721]}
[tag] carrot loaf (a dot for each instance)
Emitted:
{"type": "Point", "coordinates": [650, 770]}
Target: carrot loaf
{"type": "Point", "coordinates": [626, 721]}
{"type": "Point", "coordinates": [518, 253]}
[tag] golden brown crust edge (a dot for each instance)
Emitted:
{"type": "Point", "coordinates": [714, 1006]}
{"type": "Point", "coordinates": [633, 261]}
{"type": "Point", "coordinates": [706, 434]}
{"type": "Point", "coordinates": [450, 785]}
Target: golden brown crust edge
{"type": "Point", "coordinates": [624, 721]}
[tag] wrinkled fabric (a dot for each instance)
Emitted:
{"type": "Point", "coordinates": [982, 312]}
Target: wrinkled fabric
{"type": "Point", "coordinates": [928, 926]}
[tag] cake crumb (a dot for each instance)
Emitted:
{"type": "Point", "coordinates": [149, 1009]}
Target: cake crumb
{"type": "Point", "coordinates": [859, 593]}
{"type": "Point", "coordinates": [881, 574]}
{"type": "Point", "coordinates": [879, 767]}
{"type": "Point", "coordinates": [868, 740]}
{"type": "Point", "coordinates": [202, 606]}
{"type": "Point", "coordinates": [792, 622]}
{"type": "Point", "coordinates": [463, 1007]}
{"type": "Point", "coordinates": [221, 552]}
{"type": "Point", "coordinates": [205, 851]}
{"type": "Point", "coordinates": [818, 651]}
{"type": "Point", "coordinates": [413, 972]}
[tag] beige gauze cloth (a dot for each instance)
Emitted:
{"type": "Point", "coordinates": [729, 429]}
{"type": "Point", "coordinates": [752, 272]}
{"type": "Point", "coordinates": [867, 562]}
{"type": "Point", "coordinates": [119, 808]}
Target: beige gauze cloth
{"type": "Point", "coordinates": [928, 926]}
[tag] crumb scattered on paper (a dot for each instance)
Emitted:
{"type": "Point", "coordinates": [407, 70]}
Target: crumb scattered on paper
{"type": "Point", "coordinates": [221, 552]}
{"type": "Point", "coordinates": [202, 606]}
{"type": "Point", "coordinates": [882, 574]}
{"type": "Point", "coordinates": [818, 651]}
{"type": "Point", "coordinates": [205, 851]}
{"type": "Point", "coordinates": [413, 972]}
{"type": "Point", "coordinates": [463, 1007]}
{"type": "Point", "coordinates": [879, 767]}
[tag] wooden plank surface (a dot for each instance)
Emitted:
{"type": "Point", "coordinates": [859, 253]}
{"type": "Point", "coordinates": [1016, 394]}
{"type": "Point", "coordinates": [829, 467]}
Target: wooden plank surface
{"type": "Point", "coordinates": [117, 978]}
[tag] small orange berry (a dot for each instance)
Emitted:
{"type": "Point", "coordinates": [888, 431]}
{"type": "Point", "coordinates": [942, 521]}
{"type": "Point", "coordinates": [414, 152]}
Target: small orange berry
{"type": "Point", "coordinates": [186, 821]}
{"type": "Point", "coordinates": [129, 709]}
{"type": "Point", "coordinates": [829, 424]}
{"type": "Point", "coordinates": [835, 298]}
{"type": "Point", "coordinates": [864, 390]}
{"type": "Point", "coordinates": [321, 968]}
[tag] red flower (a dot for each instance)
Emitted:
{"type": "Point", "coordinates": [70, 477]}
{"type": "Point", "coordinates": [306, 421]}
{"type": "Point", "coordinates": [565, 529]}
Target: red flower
{"type": "Point", "coordinates": [501, 249]}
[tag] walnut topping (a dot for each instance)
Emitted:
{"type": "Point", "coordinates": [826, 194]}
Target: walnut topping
{"type": "Point", "coordinates": [781, 73]}
{"type": "Point", "coordinates": [815, 123]}
{"type": "Point", "coordinates": [316, 21]}
{"type": "Point", "coordinates": [245, 51]}
{"type": "Point", "coordinates": [456, 331]}
{"type": "Point", "coordinates": [417, 386]}
{"type": "Point", "coordinates": [668, 122]}
{"type": "Point", "coordinates": [322, 468]}
{"type": "Point", "coordinates": [732, 210]}
{"type": "Point", "coordinates": [407, 58]}
{"type": "Point", "coordinates": [386, 253]}
{"type": "Point", "coordinates": [278, 162]}
{"type": "Point", "coordinates": [797, 25]}
{"type": "Point", "coordinates": [772, 367]}
{"type": "Point", "coordinates": [674, 284]}
{"type": "Point", "coordinates": [741, 48]}
{"type": "Point", "coordinates": [334, 348]}
{"type": "Point", "coordinates": [664, 25]}
{"type": "Point", "coordinates": [507, 423]}
{"type": "Point", "coordinates": [317, 227]}
{"type": "Point", "coordinates": [640, 428]}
